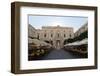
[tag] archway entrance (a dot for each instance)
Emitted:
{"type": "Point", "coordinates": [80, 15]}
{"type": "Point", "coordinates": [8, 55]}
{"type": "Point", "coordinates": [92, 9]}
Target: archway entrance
{"type": "Point", "coordinates": [58, 44]}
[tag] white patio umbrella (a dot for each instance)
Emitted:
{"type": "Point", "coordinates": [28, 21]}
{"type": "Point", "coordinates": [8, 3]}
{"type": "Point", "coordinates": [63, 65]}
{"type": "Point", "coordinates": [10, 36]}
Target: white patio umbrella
{"type": "Point", "coordinates": [37, 42]}
{"type": "Point", "coordinates": [84, 41]}
{"type": "Point", "coordinates": [74, 43]}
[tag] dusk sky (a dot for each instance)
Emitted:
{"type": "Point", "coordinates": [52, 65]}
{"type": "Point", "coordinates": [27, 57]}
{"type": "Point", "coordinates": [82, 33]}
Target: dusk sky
{"type": "Point", "coordinates": [38, 21]}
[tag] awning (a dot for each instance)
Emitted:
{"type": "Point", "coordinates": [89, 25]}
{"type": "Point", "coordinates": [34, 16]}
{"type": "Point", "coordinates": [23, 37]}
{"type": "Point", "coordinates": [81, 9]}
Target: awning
{"type": "Point", "coordinates": [84, 41]}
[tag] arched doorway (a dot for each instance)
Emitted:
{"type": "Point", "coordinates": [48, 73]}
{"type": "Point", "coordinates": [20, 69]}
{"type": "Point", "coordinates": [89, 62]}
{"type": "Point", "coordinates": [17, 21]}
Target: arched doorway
{"type": "Point", "coordinates": [58, 44]}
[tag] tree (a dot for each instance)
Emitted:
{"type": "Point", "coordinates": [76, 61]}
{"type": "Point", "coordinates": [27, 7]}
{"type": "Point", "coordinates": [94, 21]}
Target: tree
{"type": "Point", "coordinates": [78, 38]}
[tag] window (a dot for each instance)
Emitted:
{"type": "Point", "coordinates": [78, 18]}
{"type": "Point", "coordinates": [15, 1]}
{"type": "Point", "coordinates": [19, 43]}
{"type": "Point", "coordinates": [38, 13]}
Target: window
{"type": "Point", "coordinates": [70, 35]}
{"type": "Point", "coordinates": [51, 35]}
{"type": "Point", "coordinates": [45, 35]}
{"type": "Point", "coordinates": [64, 35]}
{"type": "Point", "coordinates": [38, 36]}
{"type": "Point", "coordinates": [58, 35]}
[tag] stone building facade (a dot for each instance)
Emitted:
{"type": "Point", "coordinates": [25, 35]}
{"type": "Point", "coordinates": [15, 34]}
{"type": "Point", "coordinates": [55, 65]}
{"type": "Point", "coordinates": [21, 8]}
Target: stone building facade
{"type": "Point", "coordinates": [31, 32]}
{"type": "Point", "coordinates": [54, 35]}
{"type": "Point", "coordinates": [81, 30]}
